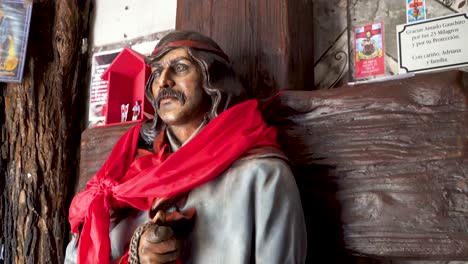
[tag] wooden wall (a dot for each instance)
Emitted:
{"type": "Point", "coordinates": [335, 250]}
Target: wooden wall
{"type": "Point", "coordinates": [269, 41]}
{"type": "Point", "coordinates": [269, 44]}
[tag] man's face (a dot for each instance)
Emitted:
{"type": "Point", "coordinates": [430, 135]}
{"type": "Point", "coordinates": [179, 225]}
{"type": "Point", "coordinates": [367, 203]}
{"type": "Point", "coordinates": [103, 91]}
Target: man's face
{"type": "Point", "coordinates": [177, 89]}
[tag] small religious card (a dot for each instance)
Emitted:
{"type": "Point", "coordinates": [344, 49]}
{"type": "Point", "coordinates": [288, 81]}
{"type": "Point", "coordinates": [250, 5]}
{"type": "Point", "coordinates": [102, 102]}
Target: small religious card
{"type": "Point", "coordinates": [15, 16]}
{"type": "Point", "coordinates": [415, 10]}
{"type": "Point", "coordinates": [98, 87]}
{"type": "Point", "coordinates": [369, 50]}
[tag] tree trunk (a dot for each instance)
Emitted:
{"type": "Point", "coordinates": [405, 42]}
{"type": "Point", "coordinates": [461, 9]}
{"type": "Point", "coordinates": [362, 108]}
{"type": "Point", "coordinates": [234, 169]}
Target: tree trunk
{"type": "Point", "coordinates": [41, 124]}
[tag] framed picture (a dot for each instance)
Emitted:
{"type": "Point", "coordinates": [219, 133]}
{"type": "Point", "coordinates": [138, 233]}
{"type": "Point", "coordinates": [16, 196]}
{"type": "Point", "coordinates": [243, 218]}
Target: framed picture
{"type": "Point", "coordinates": [415, 10]}
{"type": "Point", "coordinates": [99, 87]}
{"type": "Point", "coordinates": [15, 17]}
{"type": "Point", "coordinates": [369, 49]}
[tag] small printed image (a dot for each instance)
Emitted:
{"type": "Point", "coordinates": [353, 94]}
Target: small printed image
{"type": "Point", "coordinates": [14, 27]}
{"type": "Point", "coordinates": [369, 49]}
{"type": "Point", "coordinates": [98, 87]}
{"type": "Point", "coordinates": [415, 10]}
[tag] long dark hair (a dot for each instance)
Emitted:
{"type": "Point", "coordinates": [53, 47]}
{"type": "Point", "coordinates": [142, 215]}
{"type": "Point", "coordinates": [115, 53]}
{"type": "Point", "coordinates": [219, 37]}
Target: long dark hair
{"type": "Point", "coordinates": [219, 80]}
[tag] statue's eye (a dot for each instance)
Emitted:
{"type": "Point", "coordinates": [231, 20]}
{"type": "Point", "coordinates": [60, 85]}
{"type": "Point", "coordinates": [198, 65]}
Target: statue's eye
{"type": "Point", "coordinates": [156, 73]}
{"type": "Point", "coordinates": [180, 67]}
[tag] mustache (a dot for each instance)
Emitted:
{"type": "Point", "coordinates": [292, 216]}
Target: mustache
{"type": "Point", "coordinates": [171, 93]}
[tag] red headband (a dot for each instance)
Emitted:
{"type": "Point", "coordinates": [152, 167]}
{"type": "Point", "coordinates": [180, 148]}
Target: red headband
{"type": "Point", "coordinates": [192, 44]}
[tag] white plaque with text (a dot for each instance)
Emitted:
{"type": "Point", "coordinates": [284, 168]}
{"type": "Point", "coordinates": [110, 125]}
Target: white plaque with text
{"type": "Point", "coordinates": [434, 44]}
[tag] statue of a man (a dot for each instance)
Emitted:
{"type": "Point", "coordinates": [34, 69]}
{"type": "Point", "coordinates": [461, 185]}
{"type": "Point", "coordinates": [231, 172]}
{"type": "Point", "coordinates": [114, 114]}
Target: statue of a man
{"type": "Point", "coordinates": [208, 158]}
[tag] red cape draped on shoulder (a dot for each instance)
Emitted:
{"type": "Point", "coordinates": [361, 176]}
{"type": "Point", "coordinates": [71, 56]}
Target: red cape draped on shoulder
{"type": "Point", "coordinates": [123, 182]}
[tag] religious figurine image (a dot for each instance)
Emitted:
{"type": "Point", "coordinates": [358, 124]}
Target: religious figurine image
{"type": "Point", "coordinates": [369, 49]}
{"type": "Point", "coordinates": [415, 10]}
{"type": "Point", "coordinates": [123, 112]}
{"type": "Point", "coordinates": [136, 110]}
{"type": "Point", "coordinates": [204, 181]}
{"type": "Point", "coordinates": [368, 44]}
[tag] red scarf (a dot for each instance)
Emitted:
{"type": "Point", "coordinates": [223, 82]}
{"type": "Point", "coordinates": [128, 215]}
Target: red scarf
{"type": "Point", "coordinates": [122, 182]}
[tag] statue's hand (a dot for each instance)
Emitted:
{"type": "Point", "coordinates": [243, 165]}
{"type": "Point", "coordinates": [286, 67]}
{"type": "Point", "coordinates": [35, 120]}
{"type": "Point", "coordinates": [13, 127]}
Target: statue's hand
{"type": "Point", "coordinates": [163, 238]}
{"type": "Point", "coordinates": [158, 245]}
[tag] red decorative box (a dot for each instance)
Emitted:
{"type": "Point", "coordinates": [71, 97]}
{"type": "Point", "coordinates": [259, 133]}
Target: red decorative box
{"type": "Point", "coordinates": [126, 78]}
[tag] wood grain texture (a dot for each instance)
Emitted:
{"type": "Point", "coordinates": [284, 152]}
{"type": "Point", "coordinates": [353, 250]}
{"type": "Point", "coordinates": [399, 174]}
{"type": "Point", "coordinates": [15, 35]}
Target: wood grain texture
{"type": "Point", "coordinates": [96, 146]}
{"type": "Point", "coordinates": [270, 42]}
{"type": "Point", "coordinates": [41, 128]}
{"type": "Point", "coordinates": [389, 159]}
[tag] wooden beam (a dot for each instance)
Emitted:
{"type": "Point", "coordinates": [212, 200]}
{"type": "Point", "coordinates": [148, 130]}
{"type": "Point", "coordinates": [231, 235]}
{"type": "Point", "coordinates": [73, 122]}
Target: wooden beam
{"type": "Point", "coordinates": [383, 167]}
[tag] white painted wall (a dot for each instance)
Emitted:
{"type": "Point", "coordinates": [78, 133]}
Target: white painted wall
{"type": "Point", "coordinates": [138, 24]}
{"type": "Point", "coordinates": [120, 20]}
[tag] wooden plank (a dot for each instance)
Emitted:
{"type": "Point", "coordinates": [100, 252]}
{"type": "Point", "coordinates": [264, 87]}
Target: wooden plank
{"type": "Point", "coordinates": [96, 146]}
{"type": "Point", "coordinates": [389, 159]}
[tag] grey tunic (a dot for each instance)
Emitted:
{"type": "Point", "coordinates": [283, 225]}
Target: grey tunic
{"type": "Point", "coordinates": [251, 213]}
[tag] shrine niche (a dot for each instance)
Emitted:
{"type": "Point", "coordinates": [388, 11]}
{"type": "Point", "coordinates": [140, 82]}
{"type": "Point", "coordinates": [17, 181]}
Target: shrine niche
{"type": "Point", "coordinates": [126, 78]}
